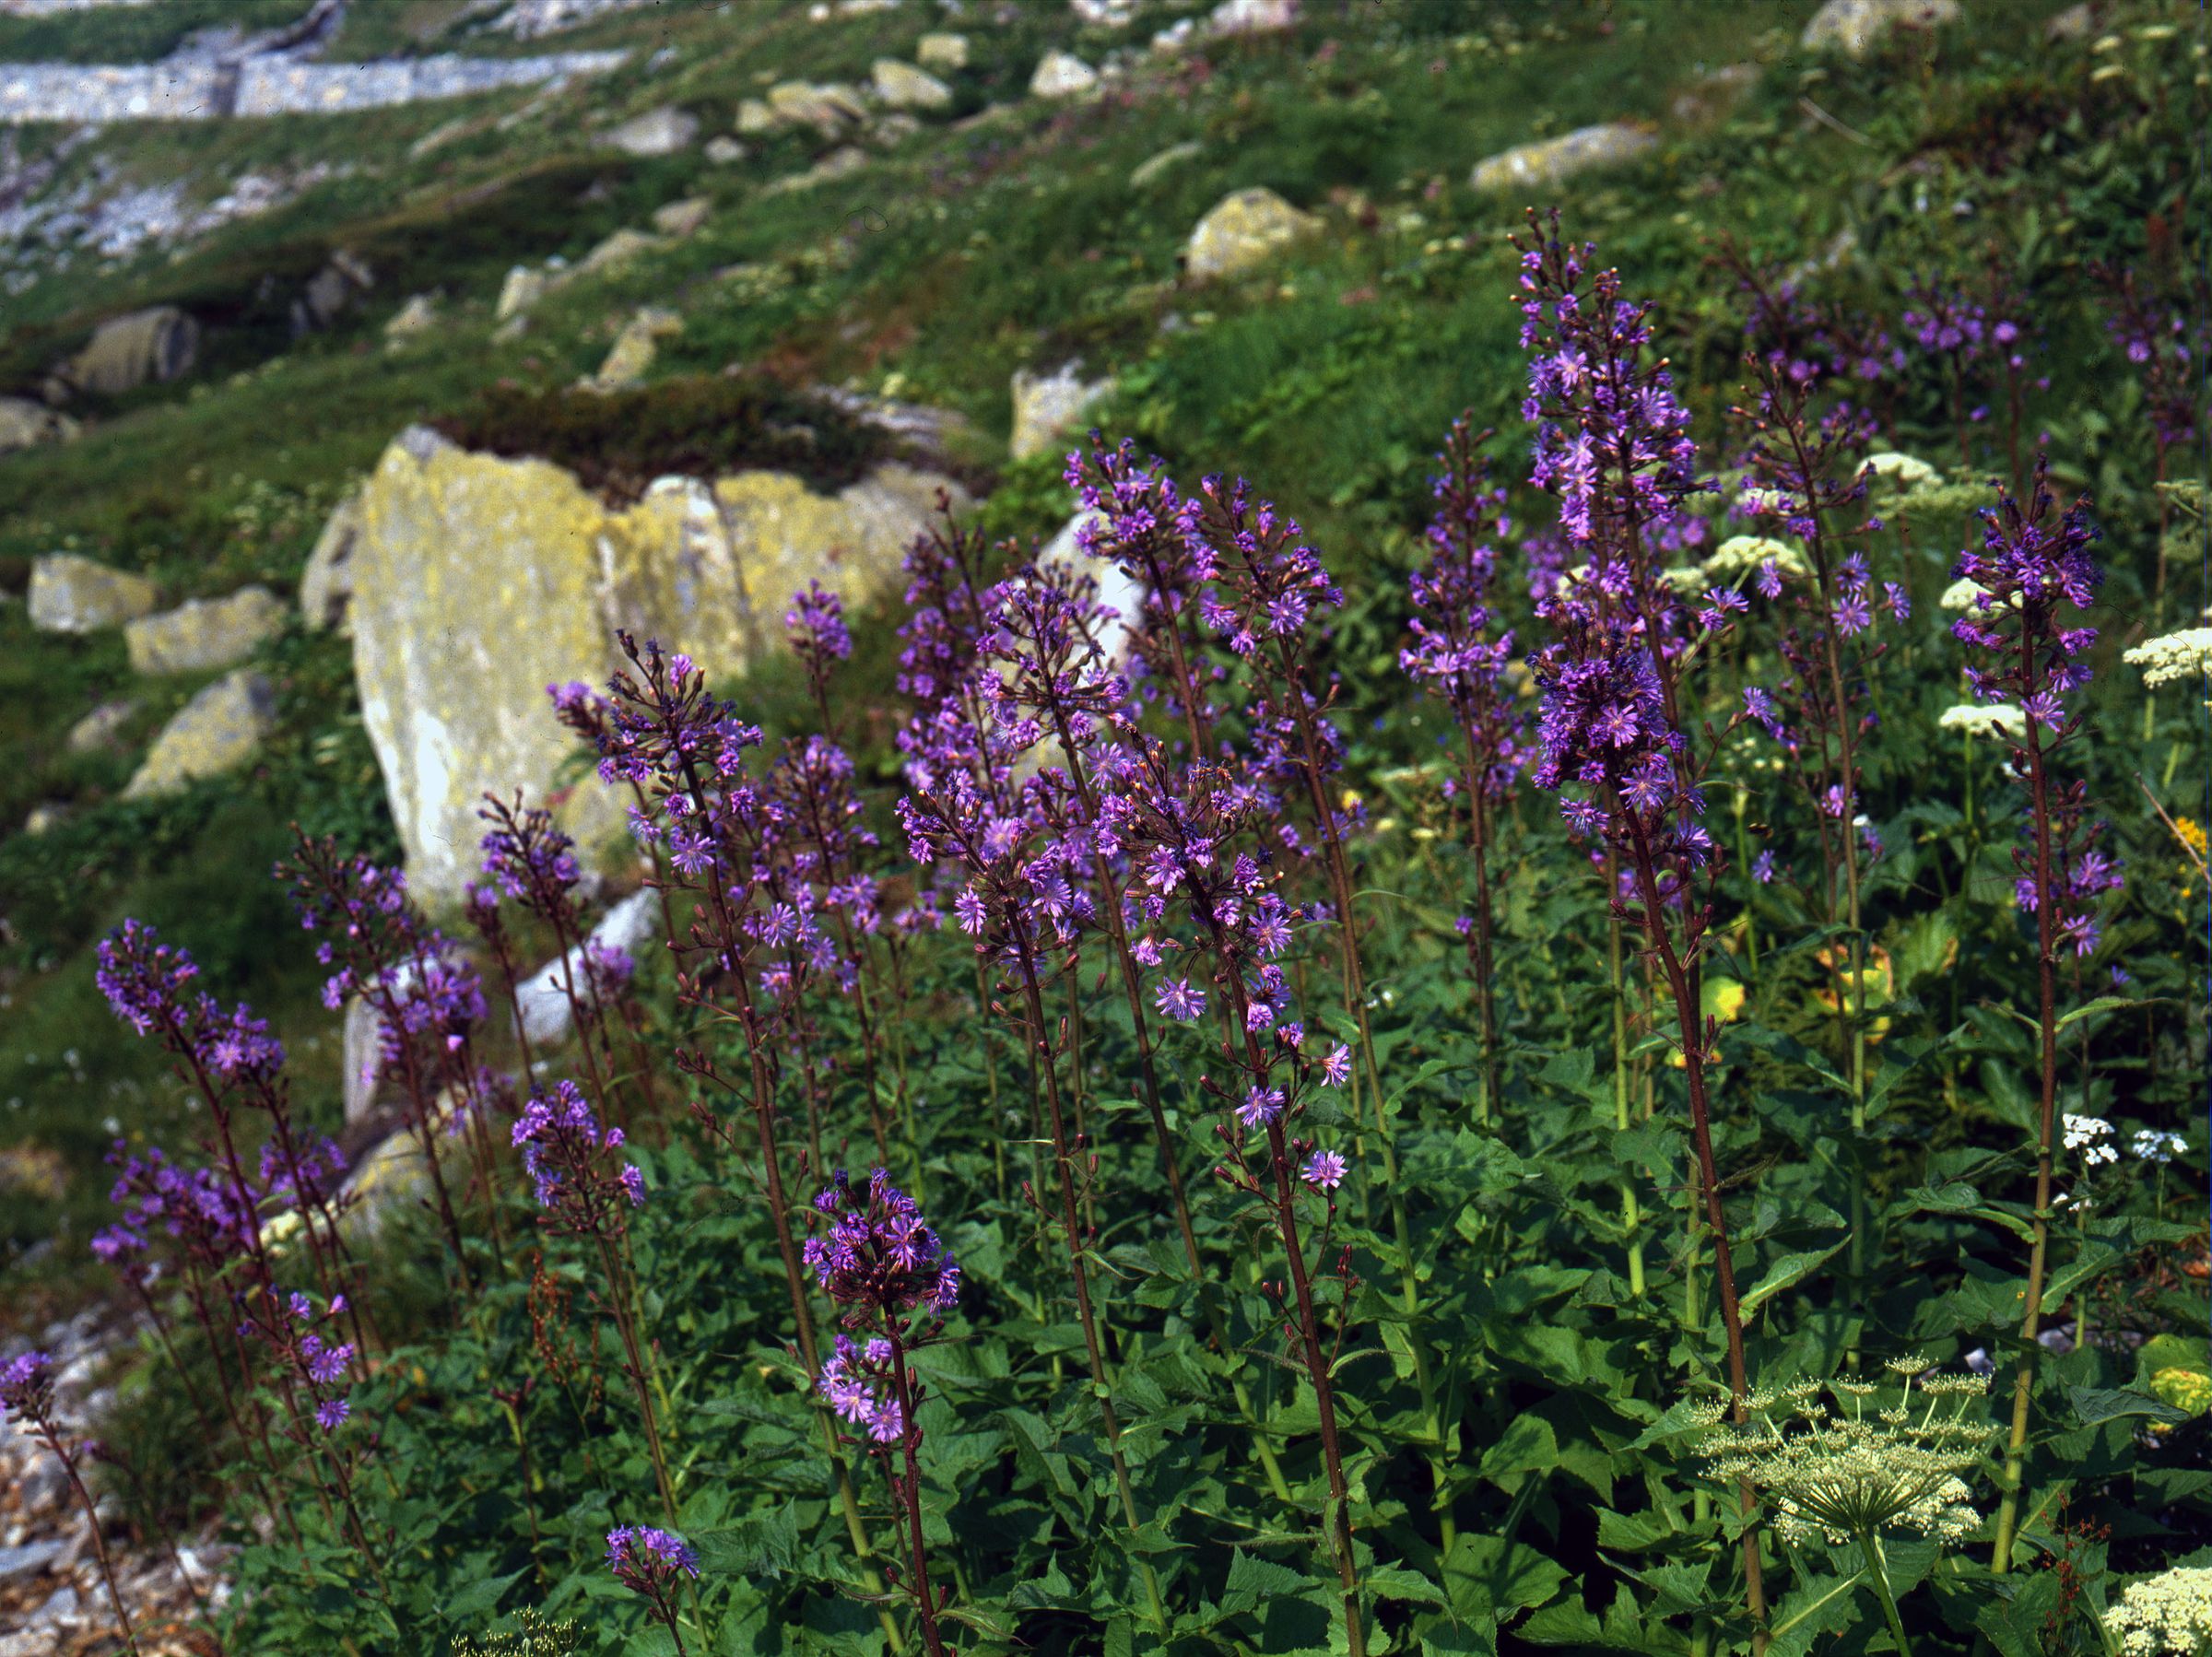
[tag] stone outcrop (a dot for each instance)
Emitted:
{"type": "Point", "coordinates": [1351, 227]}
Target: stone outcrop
{"type": "Point", "coordinates": [1244, 230]}
{"type": "Point", "coordinates": [1540, 166]}
{"type": "Point", "coordinates": [1062, 75]}
{"type": "Point", "coordinates": [660, 131]}
{"type": "Point", "coordinates": [944, 50]}
{"type": "Point", "coordinates": [217, 731]}
{"type": "Point", "coordinates": [1046, 406]}
{"type": "Point", "coordinates": [204, 632]}
{"type": "Point", "coordinates": [25, 424]}
{"type": "Point", "coordinates": [546, 1017]}
{"type": "Point", "coordinates": [126, 352]}
{"type": "Point", "coordinates": [1855, 26]}
{"type": "Point", "coordinates": [478, 580]}
{"type": "Point", "coordinates": [613, 252]}
{"type": "Point", "coordinates": [326, 584]}
{"type": "Point", "coordinates": [828, 107]}
{"type": "Point", "coordinates": [903, 87]}
{"type": "Point", "coordinates": [69, 595]}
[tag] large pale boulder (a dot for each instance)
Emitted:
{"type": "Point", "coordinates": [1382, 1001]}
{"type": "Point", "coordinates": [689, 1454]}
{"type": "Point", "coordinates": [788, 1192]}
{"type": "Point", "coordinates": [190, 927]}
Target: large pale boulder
{"type": "Point", "coordinates": [1855, 26]}
{"type": "Point", "coordinates": [1242, 232]}
{"type": "Point", "coordinates": [478, 580]}
{"type": "Point", "coordinates": [903, 87]}
{"type": "Point", "coordinates": [1120, 593]}
{"type": "Point", "coordinates": [69, 595]}
{"type": "Point", "coordinates": [1542, 165]}
{"type": "Point", "coordinates": [202, 633]}
{"type": "Point", "coordinates": [126, 352]}
{"type": "Point", "coordinates": [25, 424]}
{"type": "Point", "coordinates": [1046, 406]}
{"type": "Point", "coordinates": [1062, 75]}
{"type": "Point", "coordinates": [326, 584]}
{"type": "Point", "coordinates": [217, 731]}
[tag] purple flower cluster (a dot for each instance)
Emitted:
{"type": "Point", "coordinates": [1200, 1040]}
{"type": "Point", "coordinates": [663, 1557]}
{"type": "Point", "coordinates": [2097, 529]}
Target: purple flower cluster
{"type": "Point", "coordinates": [816, 623]}
{"type": "Point", "coordinates": [877, 1253]}
{"type": "Point", "coordinates": [645, 1559]}
{"type": "Point", "coordinates": [317, 1364]}
{"type": "Point", "coordinates": [27, 1387]}
{"type": "Point", "coordinates": [144, 981]}
{"type": "Point", "coordinates": [1605, 728]}
{"type": "Point", "coordinates": [859, 1383]}
{"type": "Point", "coordinates": [579, 1182]}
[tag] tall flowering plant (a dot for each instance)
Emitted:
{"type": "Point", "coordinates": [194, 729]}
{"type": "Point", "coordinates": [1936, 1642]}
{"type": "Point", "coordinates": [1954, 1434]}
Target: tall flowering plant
{"type": "Point", "coordinates": [2034, 567]}
{"type": "Point", "coordinates": [892, 1281]}
{"type": "Point", "coordinates": [1612, 443]}
{"type": "Point", "coordinates": [27, 1398]}
{"type": "Point", "coordinates": [1459, 657]}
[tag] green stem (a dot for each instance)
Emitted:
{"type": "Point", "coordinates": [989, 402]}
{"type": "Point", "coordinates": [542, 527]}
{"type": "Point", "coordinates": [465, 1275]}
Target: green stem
{"type": "Point", "coordinates": [1880, 1577]}
{"type": "Point", "coordinates": [1632, 1216]}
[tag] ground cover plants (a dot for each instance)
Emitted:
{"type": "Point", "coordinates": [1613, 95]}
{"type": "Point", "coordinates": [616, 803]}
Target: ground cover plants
{"type": "Point", "coordinates": [1140, 1192]}
{"type": "Point", "coordinates": [1588, 1037]}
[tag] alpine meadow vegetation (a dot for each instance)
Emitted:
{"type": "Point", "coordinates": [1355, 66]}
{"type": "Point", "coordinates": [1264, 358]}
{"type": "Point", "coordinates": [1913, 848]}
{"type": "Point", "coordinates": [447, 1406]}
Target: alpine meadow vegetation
{"type": "Point", "coordinates": [1618, 1066]}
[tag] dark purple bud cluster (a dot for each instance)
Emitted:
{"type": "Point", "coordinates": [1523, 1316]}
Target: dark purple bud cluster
{"type": "Point", "coordinates": [877, 1253]}
{"type": "Point", "coordinates": [582, 1186]}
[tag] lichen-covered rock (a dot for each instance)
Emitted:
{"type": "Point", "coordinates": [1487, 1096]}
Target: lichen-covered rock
{"type": "Point", "coordinates": [680, 218]}
{"type": "Point", "coordinates": [826, 107]}
{"type": "Point", "coordinates": [1046, 406]}
{"type": "Point", "coordinates": [25, 424]}
{"type": "Point", "coordinates": [217, 731]}
{"type": "Point", "coordinates": [525, 285]}
{"type": "Point", "coordinates": [631, 357]}
{"type": "Point", "coordinates": [1539, 166]}
{"type": "Point", "coordinates": [1062, 75]}
{"type": "Point", "coordinates": [69, 595]}
{"type": "Point", "coordinates": [619, 249]}
{"type": "Point", "coordinates": [202, 633]}
{"type": "Point", "coordinates": [478, 580]}
{"type": "Point", "coordinates": [144, 347]}
{"type": "Point", "coordinates": [326, 584]}
{"type": "Point", "coordinates": [723, 151]}
{"type": "Point", "coordinates": [903, 87]}
{"type": "Point", "coordinates": [842, 163]}
{"type": "Point", "coordinates": [1242, 232]}
{"type": "Point", "coordinates": [1854, 27]}
{"type": "Point", "coordinates": [942, 51]}
{"type": "Point", "coordinates": [98, 728]}
{"type": "Point", "coordinates": [660, 131]}
{"type": "Point", "coordinates": [754, 117]}
{"type": "Point", "coordinates": [416, 317]}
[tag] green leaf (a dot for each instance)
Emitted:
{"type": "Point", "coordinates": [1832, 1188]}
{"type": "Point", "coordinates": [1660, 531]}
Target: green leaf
{"type": "Point", "coordinates": [480, 1597]}
{"type": "Point", "coordinates": [1788, 1270]}
{"type": "Point", "coordinates": [2096, 1406]}
{"type": "Point", "coordinates": [1488, 1573]}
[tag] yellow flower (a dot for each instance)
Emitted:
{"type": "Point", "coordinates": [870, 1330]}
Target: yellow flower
{"type": "Point", "coordinates": [1880, 986]}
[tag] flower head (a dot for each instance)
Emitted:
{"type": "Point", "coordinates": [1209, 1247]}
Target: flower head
{"type": "Point", "coordinates": [2175, 658]}
{"type": "Point", "coordinates": [2166, 1615]}
{"type": "Point", "coordinates": [877, 1253]}
{"type": "Point", "coordinates": [648, 1561]}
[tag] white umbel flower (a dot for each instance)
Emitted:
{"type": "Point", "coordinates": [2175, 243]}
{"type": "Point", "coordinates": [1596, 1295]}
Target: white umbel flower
{"type": "Point", "coordinates": [1740, 555]}
{"type": "Point", "coordinates": [1964, 594]}
{"type": "Point", "coordinates": [1986, 719]}
{"type": "Point", "coordinates": [2089, 1135]}
{"type": "Point", "coordinates": [2155, 1145]}
{"type": "Point", "coordinates": [2169, 1616]}
{"type": "Point", "coordinates": [2183, 656]}
{"type": "Point", "coordinates": [1902, 470]}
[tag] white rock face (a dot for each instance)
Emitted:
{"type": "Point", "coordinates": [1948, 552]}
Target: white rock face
{"type": "Point", "coordinates": [1062, 75]}
{"type": "Point", "coordinates": [326, 584]}
{"type": "Point", "coordinates": [1854, 27]}
{"type": "Point", "coordinates": [660, 131]}
{"type": "Point", "coordinates": [1242, 232]}
{"type": "Point", "coordinates": [25, 424]}
{"type": "Point", "coordinates": [546, 1017]}
{"type": "Point", "coordinates": [1118, 591]}
{"type": "Point", "coordinates": [1046, 406]}
{"type": "Point", "coordinates": [1252, 16]}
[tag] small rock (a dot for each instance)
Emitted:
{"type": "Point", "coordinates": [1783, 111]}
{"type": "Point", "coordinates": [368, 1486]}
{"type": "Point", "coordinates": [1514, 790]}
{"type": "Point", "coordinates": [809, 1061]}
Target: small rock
{"type": "Point", "coordinates": [327, 582]}
{"type": "Point", "coordinates": [1104, 14]}
{"type": "Point", "coordinates": [1854, 27]}
{"type": "Point", "coordinates": [634, 349]}
{"type": "Point", "coordinates": [69, 595]}
{"type": "Point", "coordinates": [723, 151]}
{"type": "Point", "coordinates": [942, 51]}
{"type": "Point", "coordinates": [45, 816]}
{"type": "Point", "coordinates": [217, 731]}
{"type": "Point", "coordinates": [1540, 166]}
{"type": "Point", "coordinates": [330, 293]}
{"type": "Point", "coordinates": [142, 348]}
{"type": "Point", "coordinates": [16, 1563]}
{"type": "Point", "coordinates": [829, 107]}
{"type": "Point", "coordinates": [1062, 75]}
{"type": "Point", "coordinates": [619, 249]}
{"type": "Point", "coordinates": [61, 1607]}
{"type": "Point", "coordinates": [1046, 406]}
{"type": "Point", "coordinates": [1167, 159]}
{"type": "Point", "coordinates": [839, 163]}
{"type": "Point", "coordinates": [25, 424]}
{"type": "Point", "coordinates": [1250, 17]}
{"type": "Point", "coordinates": [755, 117]}
{"type": "Point", "coordinates": [98, 728]}
{"type": "Point", "coordinates": [417, 316]}
{"type": "Point", "coordinates": [522, 289]}
{"type": "Point", "coordinates": [887, 132]}
{"type": "Point", "coordinates": [680, 218]}
{"type": "Point", "coordinates": [544, 1004]}
{"type": "Point", "coordinates": [903, 87]}
{"type": "Point", "coordinates": [660, 131]}
{"type": "Point", "coordinates": [1243, 230]}
{"type": "Point", "coordinates": [202, 633]}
